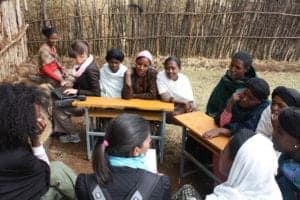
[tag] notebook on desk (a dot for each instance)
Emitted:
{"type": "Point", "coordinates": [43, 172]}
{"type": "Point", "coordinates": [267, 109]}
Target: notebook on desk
{"type": "Point", "coordinates": [151, 161]}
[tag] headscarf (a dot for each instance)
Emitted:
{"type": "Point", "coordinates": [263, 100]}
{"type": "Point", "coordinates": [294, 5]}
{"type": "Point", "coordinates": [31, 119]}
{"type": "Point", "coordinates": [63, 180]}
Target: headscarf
{"type": "Point", "coordinates": [145, 54]}
{"type": "Point", "coordinates": [252, 174]}
{"type": "Point", "coordinates": [289, 120]}
{"type": "Point", "coordinates": [289, 95]}
{"type": "Point", "coordinates": [259, 88]}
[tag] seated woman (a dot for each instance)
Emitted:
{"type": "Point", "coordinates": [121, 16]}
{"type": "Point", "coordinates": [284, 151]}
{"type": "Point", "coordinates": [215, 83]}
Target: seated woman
{"type": "Point", "coordinates": [250, 163]}
{"type": "Point", "coordinates": [175, 87]}
{"type": "Point", "coordinates": [140, 82]}
{"type": "Point", "coordinates": [240, 70]}
{"type": "Point", "coordinates": [86, 82]}
{"type": "Point", "coordinates": [286, 139]}
{"type": "Point", "coordinates": [25, 170]}
{"type": "Point", "coordinates": [119, 164]}
{"type": "Point", "coordinates": [49, 60]}
{"type": "Point", "coordinates": [282, 97]}
{"type": "Point", "coordinates": [112, 74]}
{"type": "Point", "coordinates": [243, 109]}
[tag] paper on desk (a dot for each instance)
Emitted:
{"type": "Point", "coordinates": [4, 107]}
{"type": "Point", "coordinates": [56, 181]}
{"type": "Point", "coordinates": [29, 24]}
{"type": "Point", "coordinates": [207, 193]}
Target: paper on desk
{"type": "Point", "coordinates": [150, 158]}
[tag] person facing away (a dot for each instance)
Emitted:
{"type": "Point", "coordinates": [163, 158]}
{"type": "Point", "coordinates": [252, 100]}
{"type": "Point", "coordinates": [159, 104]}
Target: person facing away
{"type": "Point", "coordinates": [286, 139]}
{"type": "Point", "coordinates": [239, 72]}
{"type": "Point", "coordinates": [250, 163]}
{"type": "Point", "coordinates": [175, 87]}
{"type": "Point", "coordinates": [140, 81]}
{"type": "Point", "coordinates": [25, 170]}
{"type": "Point", "coordinates": [282, 97]}
{"type": "Point", "coordinates": [86, 82]}
{"type": "Point", "coordinates": [243, 109]}
{"type": "Point", "coordinates": [112, 74]}
{"type": "Point", "coordinates": [119, 163]}
{"type": "Point", "coordinates": [49, 61]}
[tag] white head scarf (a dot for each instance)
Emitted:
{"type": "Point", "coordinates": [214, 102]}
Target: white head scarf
{"type": "Point", "coordinates": [252, 175]}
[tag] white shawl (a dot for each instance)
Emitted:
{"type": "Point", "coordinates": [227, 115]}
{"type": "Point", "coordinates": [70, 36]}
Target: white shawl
{"type": "Point", "coordinates": [252, 173]}
{"type": "Point", "coordinates": [264, 125]}
{"type": "Point", "coordinates": [111, 84]}
{"type": "Point", "coordinates": [79, 69]}
{"type": "Point", "coordinates": [179, 89]}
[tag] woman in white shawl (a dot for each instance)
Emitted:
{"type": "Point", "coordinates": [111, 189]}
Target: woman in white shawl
{"type": "Point", "coordinates": [112, 74]}
{"type": "Point", "coordinates": [250, 167]}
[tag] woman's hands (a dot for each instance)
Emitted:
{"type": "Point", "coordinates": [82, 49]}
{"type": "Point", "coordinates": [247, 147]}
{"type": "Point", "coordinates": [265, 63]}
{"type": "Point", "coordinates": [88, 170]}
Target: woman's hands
{"type": "Point", "coordinates": [189, 106]}
{"type": "Point", "coordinates": [216, 132]}
{"type": "Point", "coordinates": [41, 125]}
{"type": "Point", "coordinates": [70, 91]}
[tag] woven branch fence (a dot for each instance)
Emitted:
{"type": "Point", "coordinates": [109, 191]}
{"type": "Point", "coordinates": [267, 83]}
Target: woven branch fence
{"type": "Point", "coordinates": [268, 29]}
{"type": "Point", "coordinates": [13, 42]}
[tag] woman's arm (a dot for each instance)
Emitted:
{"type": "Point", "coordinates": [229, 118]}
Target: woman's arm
{"type": "Point", "coordinates": [52, 71]}
{"type": "Point", "coordinates": [127, 91]}
{"type": "Point", "coordinates": [93, 76]}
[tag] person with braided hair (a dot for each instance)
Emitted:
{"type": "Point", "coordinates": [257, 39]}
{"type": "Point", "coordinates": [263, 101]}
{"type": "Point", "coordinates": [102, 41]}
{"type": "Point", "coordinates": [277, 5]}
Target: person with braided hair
{"type": "Point", "coordinates": [25, 170]}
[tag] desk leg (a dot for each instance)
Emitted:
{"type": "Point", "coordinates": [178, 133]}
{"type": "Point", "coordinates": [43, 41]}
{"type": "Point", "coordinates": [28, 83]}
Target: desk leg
{"type": "Point", "coordinates": [190, 157]}
{"type": "Point", "coordinates": [183, 138]}
{"type": "Point", "coordinates": [87, 129]}
{"type": "Point", "coordinates": [162, 138]}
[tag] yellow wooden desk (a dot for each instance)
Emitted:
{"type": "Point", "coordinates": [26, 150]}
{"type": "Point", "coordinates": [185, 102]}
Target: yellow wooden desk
{"type": "Point", "coordinates": [102, 107]}
{"type": "Point", "coordinates": [195, 124]}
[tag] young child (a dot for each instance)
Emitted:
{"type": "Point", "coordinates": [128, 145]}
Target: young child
{"type": "Point", "coordinates": [140, 82]}
{"type": "Point", "coordinates": [112, 74]}
{"type": "Point", "coordinates": [243, 109]}
{"type": "Point", "coordinates": [119, 163]}
{"type": "Point", "coordinates": [49, 60]}
{"type": "Point", "coordinates": [175, 87]}
{"type": "Point", "coordinates": [240, 70]}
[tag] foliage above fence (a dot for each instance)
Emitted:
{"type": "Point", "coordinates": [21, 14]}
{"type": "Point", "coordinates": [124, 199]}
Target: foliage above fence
{"type": "Point", "coordinates": [268, 29]}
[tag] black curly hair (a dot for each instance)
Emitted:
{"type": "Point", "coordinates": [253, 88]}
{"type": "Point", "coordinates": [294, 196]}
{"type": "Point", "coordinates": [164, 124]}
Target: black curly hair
{"type": "Point", "coordinates": [18, 116]}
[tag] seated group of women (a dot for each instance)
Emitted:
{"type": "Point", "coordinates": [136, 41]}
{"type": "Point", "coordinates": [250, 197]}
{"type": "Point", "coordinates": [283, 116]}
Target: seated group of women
{"type": "Point", "coordinates": [112, 80]}
{"type": "Point", "coordinates": [120, 171]}
{"type": "Point", "coordinates": [238, 104]}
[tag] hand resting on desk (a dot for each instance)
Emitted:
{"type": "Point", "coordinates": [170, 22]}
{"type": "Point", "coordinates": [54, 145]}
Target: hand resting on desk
{"type": "Point", "coordinates": [216, 132]}
{"type": "Point", "coordinates": [70, 91]}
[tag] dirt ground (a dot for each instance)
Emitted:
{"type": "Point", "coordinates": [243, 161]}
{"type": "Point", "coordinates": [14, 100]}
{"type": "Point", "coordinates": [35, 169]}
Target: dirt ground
{"type": "Point", "coordinates": [204, 75]}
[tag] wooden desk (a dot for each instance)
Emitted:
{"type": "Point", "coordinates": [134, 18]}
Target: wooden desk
{"type": "Point", "coordinates": [195, 124]}
{"type": "Point", "coordinates": [102, 107]}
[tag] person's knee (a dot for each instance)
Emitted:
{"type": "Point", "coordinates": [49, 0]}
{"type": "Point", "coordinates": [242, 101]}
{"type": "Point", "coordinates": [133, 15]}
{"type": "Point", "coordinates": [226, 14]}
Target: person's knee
{"type": "Point", "coordinates": [59, 172]}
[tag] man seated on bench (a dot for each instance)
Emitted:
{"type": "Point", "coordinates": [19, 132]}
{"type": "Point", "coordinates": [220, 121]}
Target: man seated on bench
{"type": "Point", "coordinates": [243, 109]}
